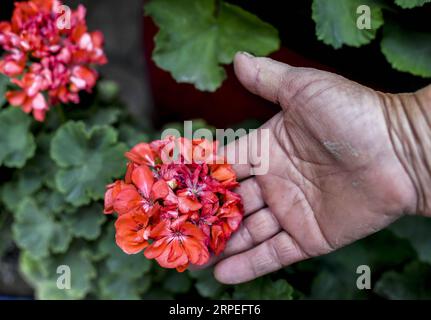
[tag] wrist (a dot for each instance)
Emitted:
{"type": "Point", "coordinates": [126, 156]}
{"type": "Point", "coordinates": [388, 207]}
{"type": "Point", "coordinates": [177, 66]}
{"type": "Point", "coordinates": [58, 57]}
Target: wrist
{"type": "Point", "coordinates": [409, 125]}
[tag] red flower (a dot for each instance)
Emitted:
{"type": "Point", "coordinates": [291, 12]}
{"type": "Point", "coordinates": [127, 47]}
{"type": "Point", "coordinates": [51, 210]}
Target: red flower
{"type": "Point", "coordinates": [180, 208]}
{"type": "Point", "coordinates": [177, 243]}
{"type": "Point", "coordinates": [132, 232]}
{"type": "Point", "coordinates": [111, 195]}
{"type": "Point", "coordinates": [48, 64]}
{"type": "Point", "coordinates": [142, 194]}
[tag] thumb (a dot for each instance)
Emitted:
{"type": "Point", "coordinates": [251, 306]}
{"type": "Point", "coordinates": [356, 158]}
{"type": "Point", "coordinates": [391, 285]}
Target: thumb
{"type": "Point", "coordinates": [275, 81]}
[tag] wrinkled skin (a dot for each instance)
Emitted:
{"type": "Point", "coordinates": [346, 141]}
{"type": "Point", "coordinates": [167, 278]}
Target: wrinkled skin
{"type": "Point", "coordinates": [334, 173]}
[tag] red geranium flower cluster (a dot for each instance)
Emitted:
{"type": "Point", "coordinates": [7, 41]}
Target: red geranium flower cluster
{"type": "Point", "coordinates": [176, 201]}
{"type": "Point", "coordinates": [49, 53]}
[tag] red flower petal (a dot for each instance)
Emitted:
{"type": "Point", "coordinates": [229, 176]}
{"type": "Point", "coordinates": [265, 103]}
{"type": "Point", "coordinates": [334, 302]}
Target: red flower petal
{"type": "Point", "coordinates": [141, 154]}
{"type": "Point", "coordinates": [129, 235]}
{"type": "Point", "coordinates": [186, 205]}
{"type": "Point", "coordinates": [160, 190]}
{"type": "Point", "coordinates": [127, 200]}
{"type": "Point", "coordinates": [143, 179]}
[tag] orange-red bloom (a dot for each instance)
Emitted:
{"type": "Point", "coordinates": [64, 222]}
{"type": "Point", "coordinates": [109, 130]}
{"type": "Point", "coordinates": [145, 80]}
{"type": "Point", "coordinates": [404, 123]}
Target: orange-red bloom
{"type": "Point", "coordinates": [177, 243]}
{"type": "Point", "coordinates": [178, 205]}
{"type": "Point", "coordinates": [132, 232]}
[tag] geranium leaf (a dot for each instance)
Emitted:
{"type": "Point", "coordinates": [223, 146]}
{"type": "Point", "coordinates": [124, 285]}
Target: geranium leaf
{"type": "Point", "coordinates": [104, 116]}
{"type": "Point", "coordinates": [86, 222]}
{"type": "Point", "coordinates": [264, 288]}
{"type": "Point", "coordinates": [197, 36]}
{"type": "Point", "coordinates": [336, 22]}
{"type": "Point", "coordinates": [37, 172]}
{"type": "Point", "coordinates": [89, 159]}
{"type": "Point", "coordinates": [177, 282]}
{"type": "Point", "coordinates": [120, 287]}
{"type": "Point", "coordinates": [336, 276]}
{"type": "Point", "coordinates": [16, 141]}
{"type": "Point", "coordinates": [61, 238]}
{"type": "Point", "coordinates": [206, 284]}
{"type": "Point", "coordinates": [54, 202]}
{"type": "Point", "coordinates": [417, 231]}
{"type": "Point", "coordinates": [408, 4]}
{"type": "Point", "coordinates": [136, 264]}
{"type": "Point", "coordinates": [407, 50]}
{"type": "Point", "coordinates": [43, 273]}
{"type": "Point", "coordinates": [24, 184]}
{"type": "Point", "coordinates": [33, 228]}
{"type": "Point", "coordinates": [33, 270]}
{"type": "Point", "coordinates": [410, 284]}
{"type": "Point", "coordinates": [131, 136]}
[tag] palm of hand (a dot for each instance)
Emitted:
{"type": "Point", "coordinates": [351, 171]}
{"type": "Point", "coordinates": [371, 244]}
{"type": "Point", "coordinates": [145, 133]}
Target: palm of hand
{"type": "Point", "coordinates": [333, 175]}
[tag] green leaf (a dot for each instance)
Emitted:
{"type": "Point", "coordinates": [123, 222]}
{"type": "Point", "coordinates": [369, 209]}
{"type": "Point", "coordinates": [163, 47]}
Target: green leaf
{"type": "Point", "coordinates": [336, 272]}
{"type": "Point", "coordinates": [37, 172]}
{"type": "Point", "coordinates": [264, 289]}
{"type": "Point", "coordinates": [16, 141]}
{"type": "Point", "coordinates": [177, 282]}
{"type": "Point", "coordinates": [131, 136]}
{"type": "Point", "coordinates": [407, 50]}
{"type": "Point", "coordinates": [197, 36]}
{"type": "Point", "coordinates": [158, 294]}
{"type": "Point", "coordinates": [206, 284]}
{"type": "Point", "coordinates": [86, 222]}
{"type": "Point", "coordinates": [417, 230]}
{"type": "Point", "coordinates": [104, 116]}
{"type": "Point", "coordinates": [409, 4]}
{"type": "Point", "coordinates": [61, 239]}
{"type": "Point", "coordinates": [4, 81]}
{"type": "Point", "coordinates": [116, 287]}
{"type": "Point", "coordinates": [43, 273]}
{"type": "Point", "coordinates": [32, 269]}
{"type": "Point", "coordinates": [336, 22]}
{"type": "Point", "coordinates": [89, 159]}
{"type": "Point", "coordinates": [33, 228]}
{"type": "Point", "coordinates": [105, 243]}
{"type": "Point", "coordinates": [336, 285]}
{"type": "Point", "coordinates": [53, 201]}
{"type": "Point", "coordinates": [107, 90]}
{"type": "Point", "coordinates": [136, 265]}
{"type": "Point", "coordinates": [413, 283]}
{"type": "Point", "coordinates": [25, 183]}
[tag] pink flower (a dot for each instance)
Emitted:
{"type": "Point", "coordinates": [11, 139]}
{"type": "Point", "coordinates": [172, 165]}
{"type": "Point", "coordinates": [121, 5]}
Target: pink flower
{"type": "Point", "coordinates": [46, 63]}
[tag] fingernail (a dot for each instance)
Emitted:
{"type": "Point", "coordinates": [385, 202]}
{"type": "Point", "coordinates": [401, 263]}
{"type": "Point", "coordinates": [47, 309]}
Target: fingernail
{"type": "Point", "coordinates": [249, 55]}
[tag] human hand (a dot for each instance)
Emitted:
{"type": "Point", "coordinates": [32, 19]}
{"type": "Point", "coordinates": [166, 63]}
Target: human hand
{"type": "Point", "coordinates": [343, 164]}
